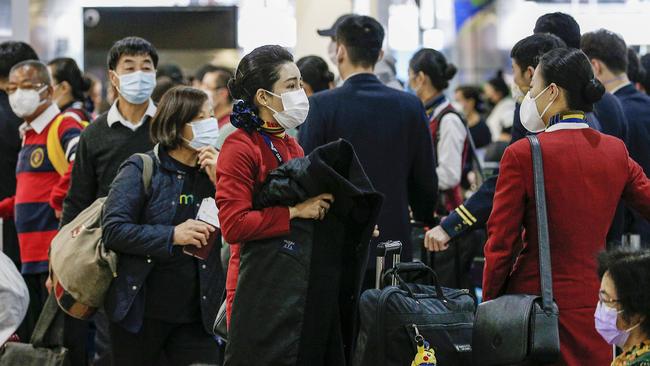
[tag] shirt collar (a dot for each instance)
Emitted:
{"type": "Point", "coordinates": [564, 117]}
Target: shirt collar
{"type": "Point", "coordinates": [44, 119]}
{"type": "Point", "coordinates": [114, 116]}
{"type": "Point", "coordinates": [620, 87]}
{"type": "Point", "coordinates": [570, 120]}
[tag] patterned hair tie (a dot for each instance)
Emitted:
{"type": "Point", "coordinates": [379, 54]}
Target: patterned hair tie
{"type": "Point", "coordinates": [243, 116]}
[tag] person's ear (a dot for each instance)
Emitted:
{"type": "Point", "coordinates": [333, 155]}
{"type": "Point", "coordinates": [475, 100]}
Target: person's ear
{"type": "Point", "coordinates": [341, 52]}
{"type": "Point", "coordinates": [381, 55]}
{"type": "Point", "coordinates": [115, 80]}
{"type": "Point", "coordinates": [595, 64]}
{"type": "Point", "coordinates": [262, 98]}
{"type": "Point", "coordinates": [528, 74]}
{"type": "Point", "coordinates": [50, 92]}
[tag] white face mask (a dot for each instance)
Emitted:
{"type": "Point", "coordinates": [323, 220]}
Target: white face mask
{"type": "Point", "coordinates": [24, 102]}
{"type": "Point", "coordinates": [517, 93]}
{"type": "Point", "coordinates": [136, 87]}
{"type": "Point", "coordinates": [531, 119]}
{"type": "Point", "coordinates": [206, 133]}
{"type": "Point", "coordinates": [296, 108]}
{"type": "Point", "coordinates": [331, 52]}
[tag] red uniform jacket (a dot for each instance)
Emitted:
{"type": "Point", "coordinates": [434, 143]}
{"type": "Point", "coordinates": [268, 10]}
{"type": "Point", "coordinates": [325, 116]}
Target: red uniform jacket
{"type": "Point", "coordinates": [586, 173]}
{"type": "Point", "coordinates": [244, 162]}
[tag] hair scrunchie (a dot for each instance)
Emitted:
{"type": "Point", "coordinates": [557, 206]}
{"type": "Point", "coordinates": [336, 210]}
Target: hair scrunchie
{"type": "Point", "coordinates": [243, 116]}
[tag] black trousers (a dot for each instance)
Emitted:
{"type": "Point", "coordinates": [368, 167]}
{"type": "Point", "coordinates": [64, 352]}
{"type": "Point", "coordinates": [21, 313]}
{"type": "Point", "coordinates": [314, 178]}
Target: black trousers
{"type": "Point", "coordinates": [37, 296]}
{"type": "Point", "coordinates": [179, 344]}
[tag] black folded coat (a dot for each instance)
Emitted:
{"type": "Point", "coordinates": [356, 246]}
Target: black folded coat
{"type": "Point", "coordinates": [296, 299]}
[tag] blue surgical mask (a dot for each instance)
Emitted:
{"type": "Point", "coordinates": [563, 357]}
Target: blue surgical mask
{"type": "Point", "coordinates": [206, 133]}
{"type": "Point", "coordinates": [136, 87]}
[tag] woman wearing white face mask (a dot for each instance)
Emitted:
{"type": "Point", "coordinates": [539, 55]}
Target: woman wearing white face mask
{"type": "Point", "coordinates": [271, 101]}
{"type": "Point", "coordinates": [165, 300]}
{"type": "Point", "coordinates": [586, 174]}
{"type": "Point", "coordinates": [623, 312]}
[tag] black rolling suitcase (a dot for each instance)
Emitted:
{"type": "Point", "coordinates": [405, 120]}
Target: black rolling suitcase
{"type": "Point", "coordinates": [391, 317]}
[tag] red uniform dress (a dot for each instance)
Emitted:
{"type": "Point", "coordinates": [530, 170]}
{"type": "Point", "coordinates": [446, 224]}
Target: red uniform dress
{"type": "Point", "coordinates": [585, 173]}
{"type": "Point", "coordinates": [244, 162]}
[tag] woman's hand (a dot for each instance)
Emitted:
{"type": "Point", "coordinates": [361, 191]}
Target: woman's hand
{"type": "Point", "coordinates": [208, 161]}
{"type": "Point", "coordinates": [192, 232]}
{"type": "Point", "coordinates": [314, 208]}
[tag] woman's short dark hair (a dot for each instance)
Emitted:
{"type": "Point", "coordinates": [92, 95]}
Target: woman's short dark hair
{"type": "Point", "coordinates": [471, 92]}
{"type": "Point", "coordinates": [630, 271]}
{"type": "Point", "coordinates": [257, 70]}
{"type": "Point", "coordinates": [177, 107]}
{"type": "Point", "coordinates": [66, 69]}
{"type": "Point", "coordinates": [131, 46]}
{"type": "Point", "coordinates": [315, 72]}
{"type": "Point", "coordinates": [499, 84]}
{"type": "Point", "coordinates": [434, 65]}
{"type": "Point", "coordinates": [570, 69]}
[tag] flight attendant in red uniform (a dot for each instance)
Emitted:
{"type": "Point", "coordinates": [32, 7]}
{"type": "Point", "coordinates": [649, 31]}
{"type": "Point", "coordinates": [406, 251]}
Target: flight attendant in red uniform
{"type": "Point", "coordinates": [586, 173]}
{"type": "Point", "coordinates": [271, 101]}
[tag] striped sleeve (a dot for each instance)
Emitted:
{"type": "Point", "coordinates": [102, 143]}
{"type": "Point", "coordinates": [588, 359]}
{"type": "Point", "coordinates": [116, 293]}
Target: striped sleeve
{"type": "Point", "coordinates": [69, 132]}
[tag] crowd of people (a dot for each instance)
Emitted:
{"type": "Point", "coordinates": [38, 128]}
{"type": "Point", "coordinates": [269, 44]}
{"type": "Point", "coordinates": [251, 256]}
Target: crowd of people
{"type": "Point", "coordinates": [216, 137]}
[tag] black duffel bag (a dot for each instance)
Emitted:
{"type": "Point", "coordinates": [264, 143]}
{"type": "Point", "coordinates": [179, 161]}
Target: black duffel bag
{"type": "Point", "coordinates": [391, 318]}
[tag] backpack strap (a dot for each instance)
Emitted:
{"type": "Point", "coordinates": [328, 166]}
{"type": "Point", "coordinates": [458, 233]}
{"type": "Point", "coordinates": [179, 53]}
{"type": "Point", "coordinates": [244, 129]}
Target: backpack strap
{"type": "Point", "coordinates": [147, 171]}
{"type": "Point", "coordinates": [54, 147]}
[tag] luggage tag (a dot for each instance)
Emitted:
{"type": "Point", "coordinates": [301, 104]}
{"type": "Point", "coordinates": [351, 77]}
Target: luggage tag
{"type": "Point", "coordinates": [208, 213]}
{"type": "Point", "coordinates": [425, 356]}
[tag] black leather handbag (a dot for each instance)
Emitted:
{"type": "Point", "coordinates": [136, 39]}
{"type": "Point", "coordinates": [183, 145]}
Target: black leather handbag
{"type": "Point", "coordinates": [522, 329]}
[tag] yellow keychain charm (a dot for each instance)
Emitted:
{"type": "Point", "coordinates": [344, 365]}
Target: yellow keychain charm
{"type": "Point", "coordinates": [425, 356]}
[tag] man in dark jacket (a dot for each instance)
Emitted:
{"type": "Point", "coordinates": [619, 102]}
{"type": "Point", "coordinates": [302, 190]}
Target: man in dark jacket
{"type": "Point", "coordinates": [608, 54]}
{"type": "Point", "coordinates": [11, 53]}
{"type": "Point", "coordinates": [106, 143]}
{"type": "Point", "coordinates": [387, 127]}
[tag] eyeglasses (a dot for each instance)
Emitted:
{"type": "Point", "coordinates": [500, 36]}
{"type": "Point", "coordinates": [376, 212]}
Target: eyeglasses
{"type": "Point", "coordinates": [26, 85]}
{"type": "Point", "coordinates": [603, 298]}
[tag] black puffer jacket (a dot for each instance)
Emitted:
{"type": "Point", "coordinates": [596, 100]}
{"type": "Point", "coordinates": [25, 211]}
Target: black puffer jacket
{"type": "Point", "coordinates": [297, 295]}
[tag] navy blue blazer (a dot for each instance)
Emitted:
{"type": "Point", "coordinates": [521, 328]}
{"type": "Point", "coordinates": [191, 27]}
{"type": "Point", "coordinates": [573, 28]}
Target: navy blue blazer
{"type": "Point", "coordinates": [636, 106]}
{"type": "Point", "coordinates": [389, 131]}
{"type": "Point", "coordinates": [138, 227]}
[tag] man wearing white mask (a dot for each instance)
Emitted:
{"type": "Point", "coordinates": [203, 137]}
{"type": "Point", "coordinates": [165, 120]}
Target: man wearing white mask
{"type": "Point", "coordinates": [113, 137]}
{"type": "Point", "coordinates": [38, 183]}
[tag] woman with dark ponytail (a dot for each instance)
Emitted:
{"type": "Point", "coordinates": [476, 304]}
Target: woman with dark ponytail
{"type": "Point", "coordinates": [70, 88]}
{"type": "Point", "coordinates": [586, 174]}
{"type": "Point", "coordinates": [316, 74]}
{"type": "Point", "coordinates": [270, 100]}
{"type": "Point", "coordinates": [429, 76]}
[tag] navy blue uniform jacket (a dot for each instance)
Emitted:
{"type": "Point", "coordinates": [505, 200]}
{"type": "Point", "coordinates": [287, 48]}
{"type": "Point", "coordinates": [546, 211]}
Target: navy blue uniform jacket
{"type": "Point", "coordinates": [389, 131]}
{"type": "Point", "coordinates": [637, 109]}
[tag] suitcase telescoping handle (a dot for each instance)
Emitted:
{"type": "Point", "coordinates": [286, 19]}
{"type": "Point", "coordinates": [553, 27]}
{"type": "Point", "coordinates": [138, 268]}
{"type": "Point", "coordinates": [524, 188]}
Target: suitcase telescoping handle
{"type": "Point", "coordinates": [383, 250]}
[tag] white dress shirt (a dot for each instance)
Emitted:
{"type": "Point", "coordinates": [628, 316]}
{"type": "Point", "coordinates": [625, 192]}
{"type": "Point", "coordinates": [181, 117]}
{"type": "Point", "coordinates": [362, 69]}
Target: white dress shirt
{"type": "Point", "coordinates": [114, 116]}
{"type": "Point", "coordinates": [450, 148]}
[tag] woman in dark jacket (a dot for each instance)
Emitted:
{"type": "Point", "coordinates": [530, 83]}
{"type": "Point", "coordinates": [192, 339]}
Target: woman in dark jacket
{"type": "Point", "coordinates": [70, 88]}
{"type": "Point", "coordinates": [271, 100]}
{"type": "Point", "coordinates": [164, 300]}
